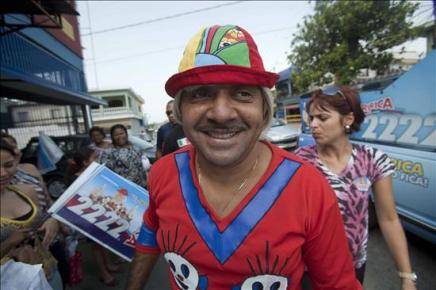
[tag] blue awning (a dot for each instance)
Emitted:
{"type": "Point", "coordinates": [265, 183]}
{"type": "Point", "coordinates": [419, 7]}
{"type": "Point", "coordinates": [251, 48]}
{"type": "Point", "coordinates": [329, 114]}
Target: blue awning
{"type": "Point", "coordinates": [285, 74]}
{"type": "Point", "coordinates": [21, 86]}
{"type": "Point", "coordinates": [30, 72]}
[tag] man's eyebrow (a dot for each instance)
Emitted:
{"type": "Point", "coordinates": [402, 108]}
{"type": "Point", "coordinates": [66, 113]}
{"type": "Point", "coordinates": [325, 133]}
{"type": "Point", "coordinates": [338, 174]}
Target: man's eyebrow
{"type": "Point", "coordinates": [193, 89]}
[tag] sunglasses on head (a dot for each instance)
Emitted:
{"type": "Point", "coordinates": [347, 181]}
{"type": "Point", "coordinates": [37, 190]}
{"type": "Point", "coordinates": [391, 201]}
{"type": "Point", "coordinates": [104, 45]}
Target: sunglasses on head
{"type": "Point", "coordinates": [333, 91]}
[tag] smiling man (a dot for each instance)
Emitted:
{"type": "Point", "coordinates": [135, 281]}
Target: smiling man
{"type": "Point", "coordinates": [231, 211]}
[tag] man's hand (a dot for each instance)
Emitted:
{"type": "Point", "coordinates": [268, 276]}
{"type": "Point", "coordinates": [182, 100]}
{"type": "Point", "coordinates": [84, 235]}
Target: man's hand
{"type": "Point", "coordinates": [50, 228]}
{"type": "Point", "coordinates": [140, 269]}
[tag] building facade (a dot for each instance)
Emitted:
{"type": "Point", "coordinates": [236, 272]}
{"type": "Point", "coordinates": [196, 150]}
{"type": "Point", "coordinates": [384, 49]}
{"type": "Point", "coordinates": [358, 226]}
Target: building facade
{"type": "Point", "coordinates": [286, 103]}
{"type": "Point", "coordinates": [123, 106]}
{"type": "Point", "coordinates": [41, 64]}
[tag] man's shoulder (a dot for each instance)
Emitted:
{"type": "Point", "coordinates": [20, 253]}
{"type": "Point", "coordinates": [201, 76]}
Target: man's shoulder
{"type": "Point", "coordinates": [287, 154]}
{"type": "Point", "coordinates": [306, 168]}
{"type": "Point", "coordinates": [176, 132]}
{"type": "Point", "coordinates": [166, 126]}
{"type": "Point", "coordinates": [167, 163]}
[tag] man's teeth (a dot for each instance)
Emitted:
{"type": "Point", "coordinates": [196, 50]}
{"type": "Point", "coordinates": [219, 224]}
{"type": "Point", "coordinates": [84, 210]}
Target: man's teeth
{"type": "Point", "coordinates": [222, 135]}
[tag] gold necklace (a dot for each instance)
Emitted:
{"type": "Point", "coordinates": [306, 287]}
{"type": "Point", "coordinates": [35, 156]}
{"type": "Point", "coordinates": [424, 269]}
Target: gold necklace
{"type": "Point", "coordinates": [241, 185]}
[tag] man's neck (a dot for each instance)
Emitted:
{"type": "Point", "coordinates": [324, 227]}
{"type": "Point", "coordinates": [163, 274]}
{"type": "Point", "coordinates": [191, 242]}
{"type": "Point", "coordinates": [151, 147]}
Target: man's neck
{"type": "Point", "coordinates": [235, 172]}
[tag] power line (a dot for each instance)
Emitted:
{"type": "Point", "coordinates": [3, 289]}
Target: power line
{"type": "Point", "coordinates": [178, 47]}
{"type": "Point", "coordinates": [92, 44]}
{"type": "Point", "coordinates": [162, 18]}
{"type": "Point", "coordinates": [139, 54]}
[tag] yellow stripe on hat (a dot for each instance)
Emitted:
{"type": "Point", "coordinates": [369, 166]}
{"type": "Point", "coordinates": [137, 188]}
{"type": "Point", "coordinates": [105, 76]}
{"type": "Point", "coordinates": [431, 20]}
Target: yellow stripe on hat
{"type": "Point", "coordinates": [189, 54]}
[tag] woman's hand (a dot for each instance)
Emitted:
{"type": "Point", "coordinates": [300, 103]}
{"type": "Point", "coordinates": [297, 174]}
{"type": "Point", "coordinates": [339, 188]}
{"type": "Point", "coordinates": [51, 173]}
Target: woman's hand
{"type": "Point", "coordinates": [50, 228]}
{"type": "Point", "coordinates": [408, 284]}
{"type": "Point", "coordinates": [17, 237]}
{"type": "Point", "coordinates": [26, 254]}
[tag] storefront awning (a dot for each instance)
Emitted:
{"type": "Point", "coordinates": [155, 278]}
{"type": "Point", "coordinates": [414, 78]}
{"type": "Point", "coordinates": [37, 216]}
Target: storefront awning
{"type": "Point", "coordinates": [38, 7]}
{"type": "Point", "coordinates": [23, 87]}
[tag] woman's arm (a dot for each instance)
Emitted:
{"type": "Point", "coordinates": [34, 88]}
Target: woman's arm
{"type": "Point", "coordinates": [391, 227]}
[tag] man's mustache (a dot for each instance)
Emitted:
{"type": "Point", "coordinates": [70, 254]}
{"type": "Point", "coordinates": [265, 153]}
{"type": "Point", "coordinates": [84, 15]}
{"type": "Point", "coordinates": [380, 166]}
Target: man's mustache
{"type": "Point", "coordinates": [230, 126]}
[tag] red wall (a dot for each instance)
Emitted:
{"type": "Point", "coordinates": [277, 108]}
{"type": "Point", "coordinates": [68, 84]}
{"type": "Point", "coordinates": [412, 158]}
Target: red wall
{"type": "Point", "coordinates": [72, 43]}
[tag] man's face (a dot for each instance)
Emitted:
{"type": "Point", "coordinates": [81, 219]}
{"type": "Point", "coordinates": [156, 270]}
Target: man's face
{"type": "Point", "coordinates": [170, 113]}
{"type": "Point", "coordinates": [223, 122]}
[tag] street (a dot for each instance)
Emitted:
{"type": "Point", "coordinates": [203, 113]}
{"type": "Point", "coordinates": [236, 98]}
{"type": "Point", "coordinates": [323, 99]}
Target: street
{"type": "Point", "coordinates": [380, 270]}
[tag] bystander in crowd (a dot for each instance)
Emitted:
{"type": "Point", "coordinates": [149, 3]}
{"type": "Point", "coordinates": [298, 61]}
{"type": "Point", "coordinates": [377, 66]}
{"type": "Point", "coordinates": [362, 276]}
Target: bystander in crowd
{"type": "Point", "coordinates": [124, 158]}
{"type": "Point", "coordinates": [22, 221]}
{"type": "Point", "coordinates": [353, 171]}
{"type": "Point", "coordinates": [106, 267]}
{"type": "Point", "coordinates": [99, 144]}
{"type": "Point", "coordinates": [165, 129]}
{"type": "Point", "coordinates": [27, 173]}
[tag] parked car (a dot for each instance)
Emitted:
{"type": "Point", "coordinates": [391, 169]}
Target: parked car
{"type": "Point", "coordinates": [55, 180]}
{"type": "Point", "coordinates": [148, 147]}
{"type": "Point", "coordinates": [283, 135]}
{"type": "Point", "coordinates": [401, 121]}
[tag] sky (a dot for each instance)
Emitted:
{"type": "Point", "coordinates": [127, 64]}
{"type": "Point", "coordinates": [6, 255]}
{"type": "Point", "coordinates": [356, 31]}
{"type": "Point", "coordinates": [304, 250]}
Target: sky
{"type": "Point", "coordinates": [142, 57]}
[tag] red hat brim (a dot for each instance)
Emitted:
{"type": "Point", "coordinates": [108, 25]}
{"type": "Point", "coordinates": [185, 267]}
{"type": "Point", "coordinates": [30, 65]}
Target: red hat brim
{"type": "Point", "coordinates": [219, 75]}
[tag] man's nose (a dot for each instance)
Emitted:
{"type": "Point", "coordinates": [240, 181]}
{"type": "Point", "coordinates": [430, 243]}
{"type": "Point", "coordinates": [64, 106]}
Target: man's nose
{"type": "Point", "coordinates": [222, 107]}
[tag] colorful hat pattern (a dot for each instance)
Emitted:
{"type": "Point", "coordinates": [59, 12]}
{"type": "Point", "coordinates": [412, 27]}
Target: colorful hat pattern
{"type": "Point", "coordinates": [220, 55]}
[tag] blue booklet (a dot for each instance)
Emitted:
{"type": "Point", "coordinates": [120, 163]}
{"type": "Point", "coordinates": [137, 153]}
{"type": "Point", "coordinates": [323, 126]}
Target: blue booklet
{"type": "Point", "coordinates": [105, 207]}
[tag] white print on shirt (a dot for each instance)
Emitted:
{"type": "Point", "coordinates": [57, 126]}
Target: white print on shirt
{"type": "Point", "coordinates": [362, 183]}
{"type": "Point", "coordinates": [185, 275]}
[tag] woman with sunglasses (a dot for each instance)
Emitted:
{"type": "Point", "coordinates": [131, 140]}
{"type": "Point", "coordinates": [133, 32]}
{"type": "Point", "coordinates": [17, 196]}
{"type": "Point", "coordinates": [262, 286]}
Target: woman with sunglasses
{"type": "Point", "coordinates": [353, 170]}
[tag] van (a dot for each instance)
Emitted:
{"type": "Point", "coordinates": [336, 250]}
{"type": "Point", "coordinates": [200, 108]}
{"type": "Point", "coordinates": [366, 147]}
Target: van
{"type": "Point", "coordinates": [401, 121]}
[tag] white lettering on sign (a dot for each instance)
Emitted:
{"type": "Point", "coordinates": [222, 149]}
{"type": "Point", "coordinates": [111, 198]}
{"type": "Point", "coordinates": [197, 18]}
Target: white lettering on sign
{"type": "Point", "coordinates": [98, 211]}
{"type": "Point", "coordinates": [430, 121]}
{"type": "Point", "coordinates": [406, 128]}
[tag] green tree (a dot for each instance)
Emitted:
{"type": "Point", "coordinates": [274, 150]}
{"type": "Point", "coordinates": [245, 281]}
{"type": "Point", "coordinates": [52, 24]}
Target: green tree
{"type": "Point", "coordinates": [342, 37]}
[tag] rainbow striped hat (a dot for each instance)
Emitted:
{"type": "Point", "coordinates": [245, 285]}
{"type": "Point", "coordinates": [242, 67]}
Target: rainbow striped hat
{"type": "Point", "coordinates": [220, 55]}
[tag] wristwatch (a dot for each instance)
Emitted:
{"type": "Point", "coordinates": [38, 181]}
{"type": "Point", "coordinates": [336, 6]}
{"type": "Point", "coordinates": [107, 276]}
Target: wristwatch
{"type": "Point", "coordinates": [411, 276]}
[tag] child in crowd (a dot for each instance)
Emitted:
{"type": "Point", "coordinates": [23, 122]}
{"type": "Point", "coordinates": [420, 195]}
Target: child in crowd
{"type": "Point", "coordinates": [81, 160]}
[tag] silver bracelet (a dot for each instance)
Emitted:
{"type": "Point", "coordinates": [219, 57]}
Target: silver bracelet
{"type": "Point", "coordinates": [411, 276]}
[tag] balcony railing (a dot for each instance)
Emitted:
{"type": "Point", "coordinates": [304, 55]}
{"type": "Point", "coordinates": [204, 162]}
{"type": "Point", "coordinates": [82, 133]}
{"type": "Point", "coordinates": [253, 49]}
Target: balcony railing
{"type": "Point", "coordinates": [113, 111]}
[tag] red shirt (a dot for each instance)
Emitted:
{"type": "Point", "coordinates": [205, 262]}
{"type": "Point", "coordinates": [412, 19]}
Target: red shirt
{"type": "Point", "coordinates": [288, 220]}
